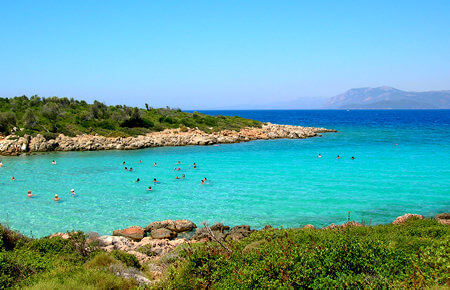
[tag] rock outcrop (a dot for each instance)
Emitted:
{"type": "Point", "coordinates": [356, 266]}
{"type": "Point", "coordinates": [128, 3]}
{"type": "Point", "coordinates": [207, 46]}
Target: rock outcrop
{"type": "Point", "coordinates": [402, 219]}
{"type": "Point", "coordinates": [135, 233]}
{"type": "Point", "coordinates": [443, 218]}
{"type": "Point", "coordinates": [14, 145]}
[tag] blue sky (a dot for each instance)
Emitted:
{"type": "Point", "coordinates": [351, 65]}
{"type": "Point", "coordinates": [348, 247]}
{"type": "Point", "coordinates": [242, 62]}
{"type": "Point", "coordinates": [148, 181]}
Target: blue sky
{"type": "Point", "coordinates": [221, 54]}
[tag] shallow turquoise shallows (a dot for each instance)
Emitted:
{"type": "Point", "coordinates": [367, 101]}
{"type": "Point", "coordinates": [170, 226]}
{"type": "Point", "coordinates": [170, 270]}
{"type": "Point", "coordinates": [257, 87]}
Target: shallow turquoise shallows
{"type": "Point", "coordinates": [277, 182]}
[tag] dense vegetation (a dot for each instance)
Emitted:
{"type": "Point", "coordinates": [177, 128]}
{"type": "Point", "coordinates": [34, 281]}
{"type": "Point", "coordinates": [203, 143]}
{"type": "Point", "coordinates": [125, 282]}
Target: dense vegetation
{"type": "Point", "coordinates": [53, 116]}
{"type": "Point", "coordinates": [412, 255]}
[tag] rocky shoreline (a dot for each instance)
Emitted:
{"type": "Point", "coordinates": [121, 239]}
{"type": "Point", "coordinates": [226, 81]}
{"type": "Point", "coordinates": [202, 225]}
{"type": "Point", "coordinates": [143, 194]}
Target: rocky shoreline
{"type": "Point", "coordinates": [15, 145]}
{"type": "Point", "coordinates": [159, 238]}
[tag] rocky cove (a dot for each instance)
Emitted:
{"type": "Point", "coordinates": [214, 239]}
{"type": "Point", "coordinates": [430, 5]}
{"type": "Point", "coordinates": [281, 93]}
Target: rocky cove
{"type": "Point", "coordinates": [15, 145]}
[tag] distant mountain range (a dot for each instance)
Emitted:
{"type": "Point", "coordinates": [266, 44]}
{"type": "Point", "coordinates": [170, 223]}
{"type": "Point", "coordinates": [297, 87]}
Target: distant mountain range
{"type": "Point", "coordinates": [389, 98]}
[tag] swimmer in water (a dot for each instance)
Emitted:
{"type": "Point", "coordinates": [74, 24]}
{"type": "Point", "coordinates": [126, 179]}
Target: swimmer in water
{"type": "Point", "coordinates": [72, 192]}
{"type": "Point", "coordinates": [1, 164]}
{"type": "Point", "coordinates": [204, 179]}
{"type": "Point", "coordinates": [338, 157]}
{"type": "Point", "coordinates": [137, 180]}
{"type": "Point", "coordinates": [131, 168]}
{"type": "Point", "coordinates": [154, 164]}
{"type": "Point", "coordinates": [195, 166]}
{"type": "Point", "coordinates": [149, 188]}
{"type": "Point", "coordinates": [155, 181]}
{"type": "Point", "coordinates": [319, 156]}
{"type": "Point", "coordinates": [202, 182]}
{"type": "Point", "coordinates": [179, 169]}
{"type": "Point", "coordinates": [12, 178]}
{"type": "Point", "coordinates": [56, 198]}
{"type": "Point", "coordinates": [353, 158]}
{"type": "Point", "coordinates": [177, 177]}
{"type": "Point", "coordinates": [29, 194]}
{"type": "Point", "coordinates": [183, 176]}
{"type": "Point", "coordinates": [126, 168]}
{"type": "Point", "coordinates": [54, 162]}
{"type": "Point", "coordinates": [140, 161]}
{"type": "Point", "coordinates": [179, 162]}
{"type": "Point", "coordinates": [123, 163]}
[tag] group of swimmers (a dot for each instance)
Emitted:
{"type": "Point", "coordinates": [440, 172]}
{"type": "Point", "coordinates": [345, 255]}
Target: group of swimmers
{"type": "Point", "coordinates": [177, 168]}
{"type": "Point", "coordinates": [337, 157]}
{"type": "Point", "coordinates": [55, 198]}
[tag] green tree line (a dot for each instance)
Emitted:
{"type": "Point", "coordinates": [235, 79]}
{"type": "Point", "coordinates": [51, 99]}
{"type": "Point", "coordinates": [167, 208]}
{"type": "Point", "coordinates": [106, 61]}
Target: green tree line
{"type": "Point", "coordinates": [52, 116]}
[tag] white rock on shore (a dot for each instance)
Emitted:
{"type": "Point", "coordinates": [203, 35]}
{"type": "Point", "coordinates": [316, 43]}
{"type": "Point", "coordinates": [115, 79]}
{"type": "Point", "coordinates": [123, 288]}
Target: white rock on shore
{"type": "Point", "coordinates": [14, 145]}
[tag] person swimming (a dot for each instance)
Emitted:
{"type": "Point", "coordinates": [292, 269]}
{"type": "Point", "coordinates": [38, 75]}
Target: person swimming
{"type": "Point", "coordinates": [195, 166]}
{"type": "Point", "coordinates": [183, 176]}
{"type": "Point", "coordinates": [149, 188]}
{"type": "Point", "coordinates": [154, 164]}
{"type": "Point", "coordinates": [29, 194]}
{"type": "Point", "coordinates": [54, 162]}
{"type": "Point", "coordinates": [179, 169]}
{"type": "Point", "coordinates": [123, 163]}
{"type": "Point", "coordinates": [338, 157]}
{"type": "Point", "coordinates": [319, 156]}
{"type": "Point", "coordinates": [56, 198]}
{"type": "Point", "coordinates": [353, 158]}
{"type": "Point", "coordinates": [131, 168]}
{"type": "Point", "coordinates": [202, 182]}
{"type": "Point", "coordinates": [140, 161]}
{"type": "Point", "coordinates": [1, 164]}
{"type": "Point", "coordinates": [13, 178]}
{"type": "Point", "coordinates": [72, 192]}
{"type": "Point", "coordinates": [179, 162]}
{"type": "Point", "coordinates": [155, 181]}
{"type": "Point", "coordinates": [177, 177]}
{"type": "Point", "coordinates": [125, 168]}
{"type": "Point", "coordinates": [137, 180]}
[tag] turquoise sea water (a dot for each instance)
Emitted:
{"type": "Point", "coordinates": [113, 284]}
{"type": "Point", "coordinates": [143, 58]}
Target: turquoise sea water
{"type": "Point", "coordinates": [277, 182]}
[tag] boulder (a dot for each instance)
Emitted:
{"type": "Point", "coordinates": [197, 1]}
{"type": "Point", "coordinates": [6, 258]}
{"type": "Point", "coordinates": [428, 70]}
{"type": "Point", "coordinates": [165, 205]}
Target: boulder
{"type": "Point", "coordinates": [443, 218]}
{"type": "Point", "coordinates": [267, 228]}
{"type": "Point", "coordinates": [163, 233]}
{"type": "Point", "coordinates": [64, 236]}
{"type": "Point", "coordinates": [135, 233]}
{"type": "Point", "coordinates": [184, 226]}
{"type": "Point", "coordinates": [219, 230]}
{"type": "Point", "coordinates": [110, 243]}
{"type": "Point", "coordinates": [309, 226]}
{"type": "Point", "coordinates": [239, 232]}
{"type": "Point", "coordinates": [402, 219]}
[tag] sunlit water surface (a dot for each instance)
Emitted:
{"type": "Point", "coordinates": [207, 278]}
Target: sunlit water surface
{"type": "Point", "coordinates": [277, 182]}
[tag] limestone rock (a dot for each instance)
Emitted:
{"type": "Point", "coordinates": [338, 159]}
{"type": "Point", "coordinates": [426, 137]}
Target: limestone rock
{"type": "Point", "coordinates": [163, 233]}
{"type": "Point", "coordinates": [443, 218]}
{"type": "Point", "coordinates": [135, 233]}
{"type": "Point", "coordinates": [309, 226]}
{"type": "Point", "coordinates": [402, 219]}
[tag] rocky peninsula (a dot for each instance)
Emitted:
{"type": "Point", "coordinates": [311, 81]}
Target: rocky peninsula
{"type": "Point", "coordinates": [15, 145]}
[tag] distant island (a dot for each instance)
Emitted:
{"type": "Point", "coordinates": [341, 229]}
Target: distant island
{"type": "Point", "coordinates": [389, 98]}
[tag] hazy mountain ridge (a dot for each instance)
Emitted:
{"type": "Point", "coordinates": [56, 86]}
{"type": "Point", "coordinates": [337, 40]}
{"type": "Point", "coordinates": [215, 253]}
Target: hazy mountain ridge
{"type": "Point", "coordinates": [389, 98]}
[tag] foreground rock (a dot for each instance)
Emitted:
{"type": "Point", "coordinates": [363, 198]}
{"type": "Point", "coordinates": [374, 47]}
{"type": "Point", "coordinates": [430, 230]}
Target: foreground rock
{"type": "Point", "coordinates": [402, 219]}
{"type": "Point", "coordinates": [222, 232]}
{"type": "Point", "coordinates": [168, 229]}
{"type": "Point", "coordinates": [14, 145]}
{"type": "Point", "coordinates": [443, 218]}
{"type": "Point", "coordinates": [135, 233]}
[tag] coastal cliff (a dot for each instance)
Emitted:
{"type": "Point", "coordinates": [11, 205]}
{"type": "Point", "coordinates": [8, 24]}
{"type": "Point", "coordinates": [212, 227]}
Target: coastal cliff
{"type": "Point", "coordinates": [14, 145]}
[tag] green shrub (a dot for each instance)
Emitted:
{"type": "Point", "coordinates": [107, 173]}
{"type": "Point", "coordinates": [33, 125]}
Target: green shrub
{"type": "Point", "coordinates": [128, 259]}
{"type": "Point", "coordinates": [388, 256]}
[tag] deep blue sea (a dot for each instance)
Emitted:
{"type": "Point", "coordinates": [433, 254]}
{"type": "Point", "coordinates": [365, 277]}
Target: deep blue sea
{"type": "Point", "coordinates": [401, 165]}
